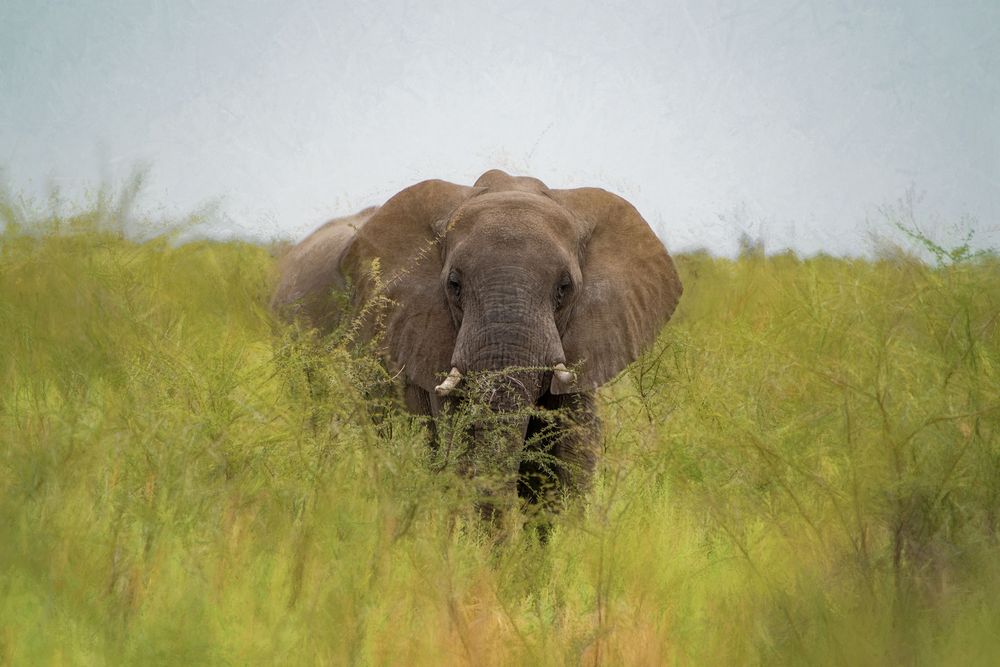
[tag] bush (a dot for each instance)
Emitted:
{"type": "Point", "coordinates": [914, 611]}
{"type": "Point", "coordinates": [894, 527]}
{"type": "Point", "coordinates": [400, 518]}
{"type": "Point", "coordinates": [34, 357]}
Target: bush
{"type": "Point", "coordinates": [806, 468]}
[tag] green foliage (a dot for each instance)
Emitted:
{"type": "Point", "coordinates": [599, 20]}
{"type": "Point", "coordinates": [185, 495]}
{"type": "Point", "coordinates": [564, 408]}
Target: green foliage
{"type": "Point", "coordinates": [903, 217]}
{"type": "Point", "coordinates": [805, 469]}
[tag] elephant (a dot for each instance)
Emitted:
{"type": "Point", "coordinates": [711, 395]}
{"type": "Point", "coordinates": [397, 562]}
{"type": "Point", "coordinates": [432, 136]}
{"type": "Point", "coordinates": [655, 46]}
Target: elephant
{"type": "Point", "coordinates": [523, 297]}
{"type": "Point", "coordinates": [310, 272]}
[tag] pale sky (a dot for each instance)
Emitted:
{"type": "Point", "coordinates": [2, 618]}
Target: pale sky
{"type": "Point", "coordinates": [791, 121]}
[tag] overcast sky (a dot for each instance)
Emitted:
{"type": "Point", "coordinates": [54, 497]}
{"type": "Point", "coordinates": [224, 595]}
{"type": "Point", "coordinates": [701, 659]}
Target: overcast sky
{"type": "Point", "coordinates": [791, 121]}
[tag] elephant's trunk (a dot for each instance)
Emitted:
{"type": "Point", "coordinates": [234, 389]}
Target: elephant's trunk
{"type": "Point", "coordinates": [500, 400]}
{"type": "Point", "coordinates": [506, 351]}
{"type": "Point", "coordinates": [512, 354]}
{"type": "Point", "coordinates": [502, 384]}
{"type": "Point", "coordinates": [500, 416]}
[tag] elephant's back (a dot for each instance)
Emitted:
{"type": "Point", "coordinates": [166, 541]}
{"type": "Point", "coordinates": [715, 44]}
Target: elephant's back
{"type": "Point", "coordinates": [310, 271]}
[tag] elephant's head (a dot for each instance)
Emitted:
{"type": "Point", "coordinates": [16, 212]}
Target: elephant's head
{"type": "Point", "coordinates": [510, 274]}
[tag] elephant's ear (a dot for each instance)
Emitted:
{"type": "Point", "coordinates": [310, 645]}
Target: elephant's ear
{"type": "Point", "coordinates": [419, 334]}
{"type": "Point", "coordinates": [630, 287]}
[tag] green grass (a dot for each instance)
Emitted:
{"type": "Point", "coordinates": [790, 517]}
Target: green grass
{"type": "Point", "coordinates": [805, 470]}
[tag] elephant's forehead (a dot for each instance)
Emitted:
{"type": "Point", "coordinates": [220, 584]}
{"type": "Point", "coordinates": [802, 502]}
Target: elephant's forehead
{"type": "Point", "coordinates": [510, 217]}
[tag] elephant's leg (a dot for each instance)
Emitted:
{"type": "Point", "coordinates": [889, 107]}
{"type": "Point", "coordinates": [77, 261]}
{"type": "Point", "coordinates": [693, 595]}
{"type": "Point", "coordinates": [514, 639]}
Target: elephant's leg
{"type": "Point", "coordinates": [575, 447]}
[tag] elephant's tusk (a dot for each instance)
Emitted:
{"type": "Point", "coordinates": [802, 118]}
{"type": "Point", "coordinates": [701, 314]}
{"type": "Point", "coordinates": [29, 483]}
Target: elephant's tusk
{"type": "Point", "coordinates": [454, 377]}
{"type": "Point", "coordinates": [565, 375]}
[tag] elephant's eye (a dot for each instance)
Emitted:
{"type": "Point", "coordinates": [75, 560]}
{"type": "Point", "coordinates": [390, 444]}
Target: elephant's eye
{"type": "Point", "coordinates": [454, 284]}
{"type": "Point", "coordinates": [562, 289]}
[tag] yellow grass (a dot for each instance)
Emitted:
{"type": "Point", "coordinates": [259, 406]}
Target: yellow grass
{"type": "Point", "coordinates": [805, 470]}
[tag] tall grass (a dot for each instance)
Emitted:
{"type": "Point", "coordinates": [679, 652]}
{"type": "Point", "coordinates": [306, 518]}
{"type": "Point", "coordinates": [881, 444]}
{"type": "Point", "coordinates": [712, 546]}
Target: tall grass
{"type": "Point", "coordinates": [806, 469]}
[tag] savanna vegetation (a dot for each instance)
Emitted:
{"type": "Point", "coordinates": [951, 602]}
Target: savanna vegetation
{"type": "Point", "coordinates": [805, 470]}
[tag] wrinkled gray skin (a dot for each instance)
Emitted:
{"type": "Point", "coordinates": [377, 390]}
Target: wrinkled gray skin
{"type": "Point", "coordinates": [504, 274]}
